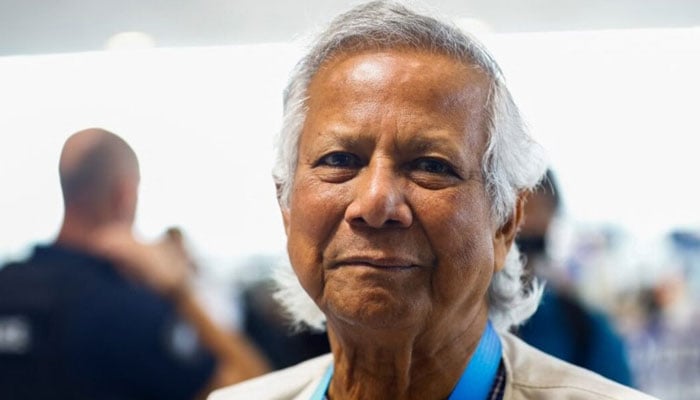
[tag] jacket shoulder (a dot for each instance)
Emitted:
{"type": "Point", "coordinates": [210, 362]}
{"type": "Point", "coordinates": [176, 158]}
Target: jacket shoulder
{"type": "Point", "coordinates": [532, 374]}
{"type": "Point", "coordinates": [279, 385]}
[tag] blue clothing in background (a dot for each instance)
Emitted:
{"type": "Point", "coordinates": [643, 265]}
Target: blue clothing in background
{"type": "Point", "coordinates": [71, 327]}
{"type": "Point", "coordinates": [565, 329]}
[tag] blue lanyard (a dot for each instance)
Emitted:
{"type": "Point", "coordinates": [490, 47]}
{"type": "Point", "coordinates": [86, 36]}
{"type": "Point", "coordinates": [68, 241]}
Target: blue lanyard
{"type": "Point", "coordinates": [322, 388]}
{"type": "Point", "coordinates": [476, 381]}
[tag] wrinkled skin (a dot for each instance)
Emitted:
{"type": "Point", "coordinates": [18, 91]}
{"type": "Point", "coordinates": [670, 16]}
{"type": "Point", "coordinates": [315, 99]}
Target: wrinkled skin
{"type": "Point", "coordinates": [389, 226]}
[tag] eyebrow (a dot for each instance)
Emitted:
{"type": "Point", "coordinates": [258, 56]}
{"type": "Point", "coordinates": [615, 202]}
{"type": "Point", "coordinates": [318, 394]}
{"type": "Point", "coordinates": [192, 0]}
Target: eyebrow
{"type": "Point", "coordinates": [433, 141]}
{"type": "Point", "coordinates": [425, 144]}
{"type": "Point", "coordinates": [339, 135]}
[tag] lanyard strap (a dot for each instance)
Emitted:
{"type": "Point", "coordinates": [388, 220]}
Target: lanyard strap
{"type": "Point", "coordinates": [476, 380]}
{"type": "Point", "coordinates": [322, 388]}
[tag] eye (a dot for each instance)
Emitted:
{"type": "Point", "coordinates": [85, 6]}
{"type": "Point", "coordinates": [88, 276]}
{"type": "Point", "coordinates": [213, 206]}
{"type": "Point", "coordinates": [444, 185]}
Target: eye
{"type": "Point", "coordinates": [433, 166]}
{"type": "Point", "coordinates": [339, 160]}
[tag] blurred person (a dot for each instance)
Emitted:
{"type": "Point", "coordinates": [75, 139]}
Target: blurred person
{"type": "Point", "coordinates": [219, 297]}
{"type": "Point", "coordinates": [402, 171]}
{"type": "Point", "coordinates": [563, 326]}
{"type": "Point", "coordinates": [665, 345]}
{"type": "Point", "coordinates": [99, 315]}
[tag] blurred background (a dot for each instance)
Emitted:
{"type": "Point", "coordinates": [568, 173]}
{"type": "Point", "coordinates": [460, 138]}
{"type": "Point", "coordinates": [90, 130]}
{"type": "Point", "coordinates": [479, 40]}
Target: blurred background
{"type": "Point", "coordinates": [610, 88]}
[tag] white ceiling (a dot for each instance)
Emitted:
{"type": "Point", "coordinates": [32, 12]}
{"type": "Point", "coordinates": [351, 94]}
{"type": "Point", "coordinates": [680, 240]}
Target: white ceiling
{"type": "Point", "coordinates": [56, 26]}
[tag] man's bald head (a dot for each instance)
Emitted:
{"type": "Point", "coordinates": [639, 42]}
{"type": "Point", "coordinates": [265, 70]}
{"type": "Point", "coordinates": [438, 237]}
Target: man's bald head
{"type": "Point", "coordinates": [97, 168]}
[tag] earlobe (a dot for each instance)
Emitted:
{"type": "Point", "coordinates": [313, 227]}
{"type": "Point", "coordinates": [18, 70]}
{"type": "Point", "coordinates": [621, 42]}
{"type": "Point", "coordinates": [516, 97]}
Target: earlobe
{"type": "Point", "coordinates": [505, 235]}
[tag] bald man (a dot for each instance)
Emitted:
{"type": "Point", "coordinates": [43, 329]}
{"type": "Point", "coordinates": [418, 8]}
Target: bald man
{"type": "Point", "coordinates": [99, 175]}
{"type": "Point", "coordinates": [100, 315]}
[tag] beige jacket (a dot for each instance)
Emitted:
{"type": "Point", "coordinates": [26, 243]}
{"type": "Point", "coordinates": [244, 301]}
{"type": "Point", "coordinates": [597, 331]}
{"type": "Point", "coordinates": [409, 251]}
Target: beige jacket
{"type": "Point", "coordinates": [530, 375]}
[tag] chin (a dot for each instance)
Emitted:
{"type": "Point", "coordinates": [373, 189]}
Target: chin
{"type": "Point", "coordinates": [374, 311]}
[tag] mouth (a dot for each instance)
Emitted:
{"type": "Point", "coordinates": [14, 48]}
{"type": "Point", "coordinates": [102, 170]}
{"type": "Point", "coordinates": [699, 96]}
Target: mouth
{"type": "Point", "coordinates": [384, 263]}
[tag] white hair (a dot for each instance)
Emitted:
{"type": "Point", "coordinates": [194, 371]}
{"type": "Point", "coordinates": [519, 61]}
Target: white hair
{"type": "Point", "coordinates": [512, 161]}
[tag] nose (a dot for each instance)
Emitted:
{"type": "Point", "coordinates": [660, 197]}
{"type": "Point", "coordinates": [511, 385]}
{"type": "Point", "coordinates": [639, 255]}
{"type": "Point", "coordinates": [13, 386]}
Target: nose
{"type": "Point", "coordinates": [379, 199]}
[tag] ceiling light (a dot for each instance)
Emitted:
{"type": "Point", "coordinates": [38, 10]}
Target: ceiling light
{"type": "Point", "coordinates": [130, 41]}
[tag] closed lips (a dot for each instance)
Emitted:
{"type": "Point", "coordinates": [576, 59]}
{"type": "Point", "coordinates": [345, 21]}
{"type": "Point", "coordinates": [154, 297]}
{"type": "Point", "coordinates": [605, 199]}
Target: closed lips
{"type": "Point", "coordinates": [387, 263]}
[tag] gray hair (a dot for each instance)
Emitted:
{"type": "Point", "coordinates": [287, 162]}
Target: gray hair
{"type": "Point", "coordinates": [512, 161]}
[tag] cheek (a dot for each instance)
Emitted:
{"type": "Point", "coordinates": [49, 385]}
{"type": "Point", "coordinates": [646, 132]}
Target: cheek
{"type": "Point", "coordinates": [458, 221]}
{"type": "Point", "coordinates": [313, 217]}
{"type": "Point", "coordinates": [462, 240]}
{"type": "Point", "coordinates": [315, 210]}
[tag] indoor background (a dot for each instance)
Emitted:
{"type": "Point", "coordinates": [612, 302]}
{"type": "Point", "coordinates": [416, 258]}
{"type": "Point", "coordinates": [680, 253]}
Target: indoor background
{"type": "Point", "coordinates": [610, 88]}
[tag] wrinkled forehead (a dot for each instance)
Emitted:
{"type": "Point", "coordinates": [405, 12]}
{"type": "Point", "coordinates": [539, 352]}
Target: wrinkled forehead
{"type": "Point", "coordinates": [454, 90]}
{"type": "Point", "coordinates": [439, 58]}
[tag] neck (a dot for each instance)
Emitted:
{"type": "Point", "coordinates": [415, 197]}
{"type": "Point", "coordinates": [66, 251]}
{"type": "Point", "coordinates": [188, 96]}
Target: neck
{"type": "Point", "coordinates": [401, 365]}
{"type": "Point", "coordinates": [78, 232]}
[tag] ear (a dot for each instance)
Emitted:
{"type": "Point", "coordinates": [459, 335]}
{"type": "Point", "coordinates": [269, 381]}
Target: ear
{"type": "Point", "coordinates": [505, 235]}
{"type": "Point", "coordinates": [284, 209]}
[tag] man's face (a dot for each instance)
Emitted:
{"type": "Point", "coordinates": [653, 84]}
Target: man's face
{"type": "Point", "coordinates": [389, 223]}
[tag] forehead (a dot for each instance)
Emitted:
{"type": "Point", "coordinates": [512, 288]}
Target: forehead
{"type": "Point", "coordinates": [410, 87]}
{"type": "Point", "coordinates": [400, 65]}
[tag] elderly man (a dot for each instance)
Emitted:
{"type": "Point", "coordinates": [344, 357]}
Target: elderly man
{"type": "Point", "coordinates": [402, 174]}
{"type": "Point", "coordinates": [98, 315]}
